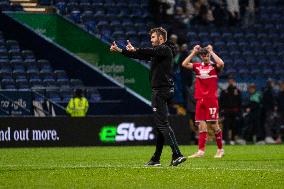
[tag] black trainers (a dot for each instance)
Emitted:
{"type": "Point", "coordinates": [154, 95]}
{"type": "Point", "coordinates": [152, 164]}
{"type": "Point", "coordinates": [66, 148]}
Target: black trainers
{"type": "Point", "coordinates": [177, 161]}
{"type": "Point", "coordinates": [152, 163]}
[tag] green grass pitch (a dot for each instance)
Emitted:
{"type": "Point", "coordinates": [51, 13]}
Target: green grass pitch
{"type": "Point", "coordinates": [248, 166]}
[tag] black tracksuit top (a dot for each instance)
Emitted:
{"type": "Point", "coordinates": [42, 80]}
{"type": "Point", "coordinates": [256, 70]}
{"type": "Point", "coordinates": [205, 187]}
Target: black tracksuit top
{"type": "Point", "coordinates": [161, 58]}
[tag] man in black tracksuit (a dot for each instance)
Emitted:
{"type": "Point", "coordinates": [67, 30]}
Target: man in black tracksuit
{"type": "Point", "coordinates": [161, 56]}
{"type": "Point", "coordinates": [230, 103]}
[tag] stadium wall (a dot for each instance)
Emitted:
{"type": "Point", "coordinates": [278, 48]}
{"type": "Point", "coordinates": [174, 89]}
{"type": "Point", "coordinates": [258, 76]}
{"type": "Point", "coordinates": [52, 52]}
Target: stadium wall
{"type": "Point", "coordinates": [90, 131]}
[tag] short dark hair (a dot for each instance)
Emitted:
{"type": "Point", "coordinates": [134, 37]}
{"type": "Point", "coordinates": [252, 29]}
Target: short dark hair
{"type": "Point", "coordinates": [231, 77]}
{"type": "Point", "coordinates": [160, 31]}
{"type": "Point", "coordinates": [78, 93]}
{"type": "Point", "coordinates": [203, 51]}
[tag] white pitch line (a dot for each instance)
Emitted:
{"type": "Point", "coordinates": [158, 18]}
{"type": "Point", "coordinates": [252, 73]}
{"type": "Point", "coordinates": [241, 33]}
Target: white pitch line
{"type": "Point", "coordinates": [134, 167]}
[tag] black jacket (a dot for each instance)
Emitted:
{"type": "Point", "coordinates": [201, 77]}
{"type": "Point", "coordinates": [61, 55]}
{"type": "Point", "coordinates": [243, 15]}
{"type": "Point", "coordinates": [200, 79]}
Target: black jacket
{"type": "Point", "coordinates": [280, 100]}
{"type": "Point", "coordinates": [230, 99]}
{"type": "Point", "coordinates": [269, 99]}
{"type": "Point", "coordinates": [161, 57]}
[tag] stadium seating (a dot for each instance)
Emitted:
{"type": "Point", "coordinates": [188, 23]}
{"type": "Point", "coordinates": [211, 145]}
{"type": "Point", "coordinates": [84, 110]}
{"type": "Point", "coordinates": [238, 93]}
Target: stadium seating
{"type": "Point", "coordinates": [246, 48]}
{"type": "Point", "coordinates": [6, 6]}
{"type": "Point", "coordinates": [109, 19]}
{"type": "Point", "coordinates": [21, 70]}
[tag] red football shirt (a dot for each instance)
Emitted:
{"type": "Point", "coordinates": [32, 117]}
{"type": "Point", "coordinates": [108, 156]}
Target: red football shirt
{"type": "Point", "coordinates": [206, 81]}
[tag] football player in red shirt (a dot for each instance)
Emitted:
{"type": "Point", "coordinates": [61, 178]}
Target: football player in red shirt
{"type": "Point", "coordinates": [206, 86]}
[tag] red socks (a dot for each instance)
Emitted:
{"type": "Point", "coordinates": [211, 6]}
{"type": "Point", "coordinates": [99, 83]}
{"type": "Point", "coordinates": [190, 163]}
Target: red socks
{"type": "Point", "coordinates": [202, 137]}
{"type": "Point", "coordinates": [219, 137]}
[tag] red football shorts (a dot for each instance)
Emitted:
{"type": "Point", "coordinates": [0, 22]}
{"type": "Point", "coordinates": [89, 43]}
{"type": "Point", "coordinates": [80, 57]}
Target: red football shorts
{"type": "Point", "coordinates": [207, 110]}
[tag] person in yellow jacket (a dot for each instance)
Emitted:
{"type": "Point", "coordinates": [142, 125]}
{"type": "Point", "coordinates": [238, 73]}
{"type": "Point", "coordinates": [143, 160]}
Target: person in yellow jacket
{"type": "Point", "coordinates": [78, 105]}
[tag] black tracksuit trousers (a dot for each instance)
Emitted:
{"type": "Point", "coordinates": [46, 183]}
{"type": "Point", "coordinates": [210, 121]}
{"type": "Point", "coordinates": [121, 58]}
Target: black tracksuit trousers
{"type": "Point", "coordinates": [160, 100]}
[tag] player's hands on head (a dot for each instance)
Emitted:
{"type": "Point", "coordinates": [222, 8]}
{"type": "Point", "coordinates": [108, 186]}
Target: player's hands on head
{"type": "Point", "coordinates": [196, 48]}
{"type": "Point", "coordinates": [129, 46]}
{"type": "Point", "coordinates": [209, 48]}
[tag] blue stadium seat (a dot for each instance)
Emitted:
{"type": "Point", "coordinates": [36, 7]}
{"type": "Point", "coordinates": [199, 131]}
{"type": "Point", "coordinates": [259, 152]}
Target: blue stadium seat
{"type": "Point", "coordinates": [47, 74]}
{"type": "Point", "coordinates": [4, 62]}
{"type": "Point", "coordinates": [193, 43]}
{"type": "Point", "coordinates": [46, 68]}
{"type": "Point", "coordinates": [73, 1]}
{"type": "Point", "coordinates": [256, 72]}
{"type": "Point", "coordinates": [3, 48]}
{"type": "Point", "coordinates": [93, 95]}
{"type": "Point", "coordinates": [264, 63]}
{"type": "Point", "coordinates": [60, 74]}
{"type": "Point", "coordinates": [76, 83]}
{"type": "Point", "coordinates": [102, 24]}
{"type": "Point", "coordinates": [43, 62]}
{"type": "Point", "coordinates": [85, 6]}
{"type": "Point", "coordinates": [279, 72]}
{"type": "Point", "coordinates": [28, 55]}
{"type": "Point", "coordinates": [202, 35]}
{"type": "Point", "coordinates": [22, 84]}
{"type": "Point", "coordinates": [253, 44]}
{"type": "Point", "coordinates": [244, 72]}
{"type": "Point", "coordinates": [275, 62]}
{"type": "Point", "coordinates": [32, 69]}
{"type": "Point", "coordinates": [61, 6]}
{"type": "Point", "coordinates": [53, 95]}
{"type": "Point", "coordinates": [8, 84]}
{"type": "Point", "coordinates": [13, 45]}
{"type": "Point", "coordinates": [5, 6]}
{"type": "Point", "coordinates": [230, 71]}
{"type": "Point", "coordinates": [215, 35]}
{"type": "Point", "coordinates": [247, 53]}
{"type": "Point", "coordinates": [144, 36]}
{"type": "Point", "coordinates": [231, 43]}
{"type": "Point", "coordinates": [118, 34]}
{"type": "Point", "coordinates": [87, 16]}
{"type": "Point", "coordinates": [15, 55]}
{"type": "Point", "coordinates": [220, 44]}
{"type": "Point", "coordinates": [34, 82]}
{"type": "Point", "coordinates": [106, 35]}
{"type": "Point", "coordinates": [240, 62]}
{"type": "Point", "coordinates": [250, 36]}
{"type": "Point", "coordinates": [267, 72]}
{"type": "Point", "coordinates": [72, 6]}
{"type": "Point", "coordinates": [228, 62]}
{"type": "Point", "coordinates": [235, 53]}
{"type": "Point", "coordinates": [120, 4]}
{"type": "Point", "coordinates": [49, 83]}
{"type": "Point", "coordinates": [63, 82]}
{"type": "Point", "coordinates": [145, 44]}
{"type": "Point", "coordinates": [127, 23]}
{"type": "Point", "coordinates": [6, 68]}
{"type": "Point", "coordinates": [261, 36]}
{"type": "Point", "coordinates": [238, 35]}
{"type": "Point", "coordinates": [75, 16]}
{"type": "Point", "coordinates": [66, 94]}
{"type": "Point", "coordinates": [227, 36]}
{"type": "Point", "coordinates": [29, 62]}
{"type": "Point", "coordinates": [6, 73]}
{"type": "Point", "coordinates": [19, 69]}
{"type": "Point", "coordinates": [19, 75]}
{"type": "Point", "coordinates": [270, 53]}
